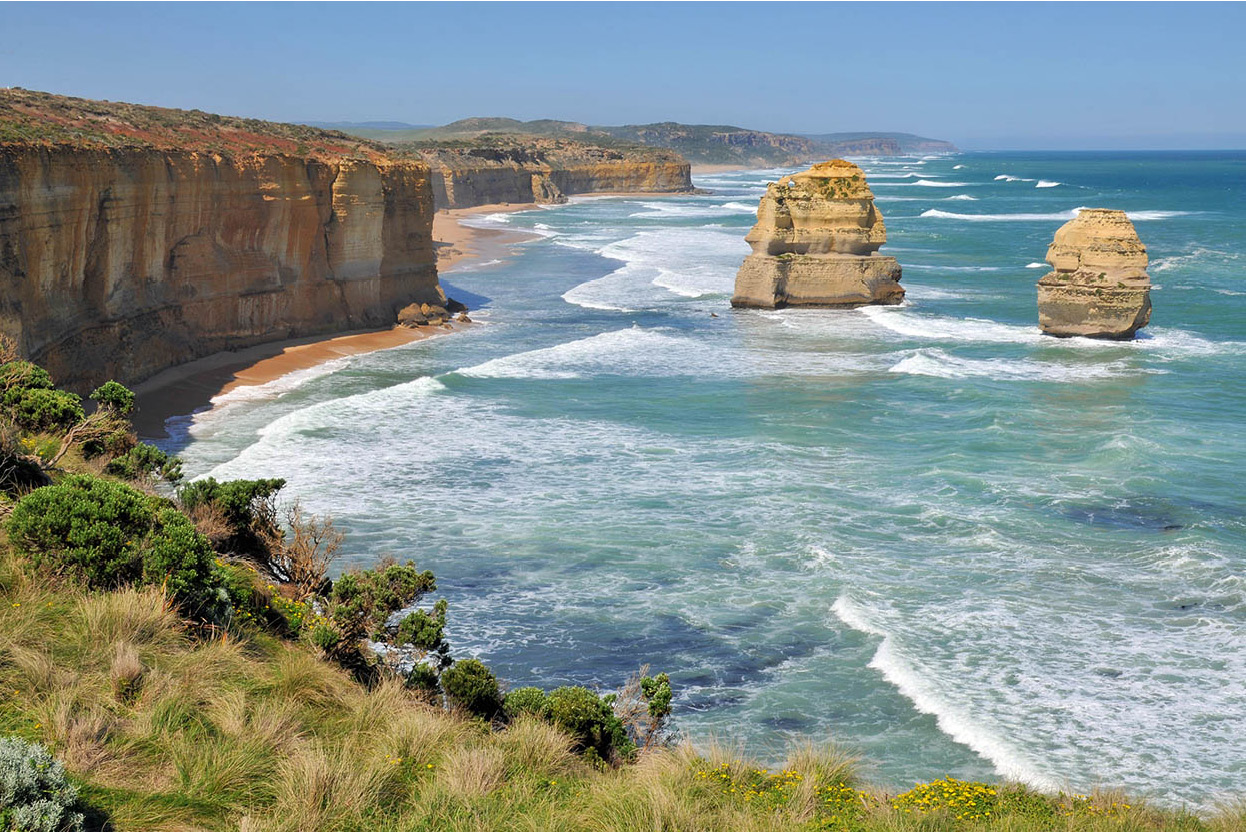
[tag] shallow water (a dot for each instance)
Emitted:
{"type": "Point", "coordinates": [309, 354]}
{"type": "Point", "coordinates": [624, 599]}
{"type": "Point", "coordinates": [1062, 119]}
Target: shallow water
{"type": "Point", "coordinates": [926, 532]}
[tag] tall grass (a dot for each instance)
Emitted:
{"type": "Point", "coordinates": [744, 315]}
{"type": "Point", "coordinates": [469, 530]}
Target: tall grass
{"type": "Point", "coordinates": [167, 731]}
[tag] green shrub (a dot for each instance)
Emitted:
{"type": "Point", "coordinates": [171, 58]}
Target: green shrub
{"type": "Point", "coordinates": [425, 630]}
{"type": "Point", "coordinates": [589, 720]}
{"type": "Point", "coordinates": [114, 396]}
{"type": "Point", "coordinates": [361, 602]}
{"type": "Point", "coordinates": [89, 528]}
{"type": "Point", "coordinates": [180, 558]}
{"type": "Point", "coordinates": [527, 700]}
{"type": "Point", "coordinates": [242, 501]}
{"type": "Point", "coordinates": [470, 685]}
{"type": "Point", "coordinates": [42, 409]}
{"type": "Point", "coordinates": [145, 461]}
{"type": "Point", "coordinates": [107, 534]}
{"type": "Point", "coordinates": [35, 794]}
{"type": "Point", "coordinates": [249, 508]}
{"type": "Point", "coordinates": [22, 376]}
{"type": "Point", "coordinates": [424, 679]}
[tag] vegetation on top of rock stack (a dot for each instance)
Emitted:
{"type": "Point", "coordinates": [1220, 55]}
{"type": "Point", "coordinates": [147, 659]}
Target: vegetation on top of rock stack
{"type": "Point", "coordinates": [30, 117]}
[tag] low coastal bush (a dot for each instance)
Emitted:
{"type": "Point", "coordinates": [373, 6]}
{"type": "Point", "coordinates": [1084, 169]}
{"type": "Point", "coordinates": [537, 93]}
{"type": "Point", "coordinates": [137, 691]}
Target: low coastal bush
{"type": "Point", "coordinates": [470, 686]}
{"type": "Point", "coordinates": [31, 400]}
{"type": "Point", "coordinates": [105, 534]}
{"type": "Point", "coordinates": [35, 793]}
{"type": "Point", "coordinates": [590, 721]}
{"type": "Point", "coordinates": [247, 507]}
{"type": "Point", "coordinates": [145, 462]}
{"type": "Point", "coordinates": [46, 410]}
{"type": "Point", "coordinates": [114, 396]}
{"type": "Point", "coordinates": [527, 700]}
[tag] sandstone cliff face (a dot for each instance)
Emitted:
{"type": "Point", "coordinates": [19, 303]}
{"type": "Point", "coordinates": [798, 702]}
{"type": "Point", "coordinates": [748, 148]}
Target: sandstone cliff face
{"type": "Point", "coordinates": [815, 243]}
{"type": "Point", "coordinates": [1099, 287]}
{"type": "Point", "coordinates": [119, 262]}
{"type": "Point", "coordinates": [545, 171]}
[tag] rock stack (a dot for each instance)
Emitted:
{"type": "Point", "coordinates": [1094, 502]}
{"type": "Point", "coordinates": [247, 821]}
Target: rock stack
{"type": "Point", "coordinates": [1100, 288]}
{"type": "Point", "coordinates": [814, 244]}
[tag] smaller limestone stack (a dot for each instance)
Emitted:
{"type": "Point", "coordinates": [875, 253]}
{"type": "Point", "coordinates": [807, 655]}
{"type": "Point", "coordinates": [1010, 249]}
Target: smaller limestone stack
{"type": "Point", "coordinates": [814, 244]}
{"type": "Point", "coordinates": [1100, 288]}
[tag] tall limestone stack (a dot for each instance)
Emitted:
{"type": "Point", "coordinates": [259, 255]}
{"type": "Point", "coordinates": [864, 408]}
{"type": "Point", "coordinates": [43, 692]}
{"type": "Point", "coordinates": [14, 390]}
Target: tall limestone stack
{"type": "Point", "coordinates": [1100, 288]}
{"type": "Point", "coordinates": [815, 244]}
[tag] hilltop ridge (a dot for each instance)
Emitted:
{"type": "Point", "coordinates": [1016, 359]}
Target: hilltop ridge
{"type": "Point", "coordinates": [699, 144]}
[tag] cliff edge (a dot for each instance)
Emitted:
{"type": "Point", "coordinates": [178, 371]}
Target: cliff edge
{"type": "Point", "coordinates": [136, 238]}
{"type": "Point", "coordinates": [532, 169]}
{"type": "Point", "coordinates": [816, 242]}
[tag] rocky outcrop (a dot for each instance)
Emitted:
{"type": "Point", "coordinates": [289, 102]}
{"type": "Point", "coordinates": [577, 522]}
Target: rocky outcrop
{"type": "Point", "coordinates": [540, 170]}
{"type": "Point", "coordinates": [815, 243]}
{"type": "Point", "coordinates": [119, 262]}
{"type": "Point", "coordinates": [1099, 287]}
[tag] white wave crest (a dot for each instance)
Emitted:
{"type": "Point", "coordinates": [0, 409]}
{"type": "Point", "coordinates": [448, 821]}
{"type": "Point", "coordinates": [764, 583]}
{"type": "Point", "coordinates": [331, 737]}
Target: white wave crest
{"type": "Point", "coordinates": [926, 184]}
{"type": "Point", "coordinates": [609, 352]}
{"type": "Point", "coordinates": [946, 328]}
{"type": "Point", "coordinates": [957, 167]}
{"type": "Point", "coordinates": [937, 363]}
{"type": "Point", "coordinates": [1047, 184]}
{"type": "Point", "coordinates": [1053, 216]}
{"type": "Point", "coordinates": [920, 687]}
{"type": "Point", "coordinates": [1009, 178]}
{"type": "Point", "coordinates": [961, 197]}
{"type": "Point", "coordinates": [1200, 255]}
{"type": "Point", "coordinates": [1036, 265]}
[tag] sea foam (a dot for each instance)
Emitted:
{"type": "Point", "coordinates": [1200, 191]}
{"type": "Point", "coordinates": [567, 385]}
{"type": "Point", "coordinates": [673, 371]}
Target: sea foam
{"type": "Point", "coordinates": [920, 687]}
{"type": "Point", "coordinates": [1032, 217]}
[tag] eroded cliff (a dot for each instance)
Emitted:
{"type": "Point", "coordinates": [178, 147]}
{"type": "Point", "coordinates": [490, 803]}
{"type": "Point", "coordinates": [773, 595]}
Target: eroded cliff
{"type": "Point", "coordinates": [123, 256]}
{"type": "Point", "coordinates": [816, 242]}
{"type": "Point", "coordinates": [539, 170]}
{"type": "Point", "coordinates": [1099, 287]}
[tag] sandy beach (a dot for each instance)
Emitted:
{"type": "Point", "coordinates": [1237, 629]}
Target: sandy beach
{"type": "Point", "coordinates": [718, 169]}
{"type": "Point", "coordinates": [190, 387]}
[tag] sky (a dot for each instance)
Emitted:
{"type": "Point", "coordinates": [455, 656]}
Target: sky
{"type": "Point", "coordinates": [982, 75]}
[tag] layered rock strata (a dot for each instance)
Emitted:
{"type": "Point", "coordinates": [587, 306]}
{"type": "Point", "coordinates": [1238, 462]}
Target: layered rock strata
{"type": "Point", "coordinates": [119, 262]}
{"type": "Point", "coordinates": [543, 170]}
{"type": "Point", "coordinates": [1099, 287]}
{"type": "Point", "coordinates": [815, 243]}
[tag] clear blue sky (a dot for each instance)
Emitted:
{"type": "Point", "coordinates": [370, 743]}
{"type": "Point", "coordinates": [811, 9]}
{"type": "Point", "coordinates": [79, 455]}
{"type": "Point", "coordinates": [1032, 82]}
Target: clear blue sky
{"type": "Point", "coordinates": [984, 75]}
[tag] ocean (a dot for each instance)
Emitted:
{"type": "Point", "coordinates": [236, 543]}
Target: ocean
{"type": "Point", "coordinates": [927, 532]}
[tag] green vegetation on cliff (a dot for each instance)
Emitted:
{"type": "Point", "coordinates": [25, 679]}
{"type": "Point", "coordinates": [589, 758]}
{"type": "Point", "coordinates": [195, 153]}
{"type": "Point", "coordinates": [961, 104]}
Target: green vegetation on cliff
{"type": "Point", "coordinates": [31, 117]}
{"type": "Point", "coordinates": [699, 144]}
{"type": "Point", "coordinates": [182, 661]}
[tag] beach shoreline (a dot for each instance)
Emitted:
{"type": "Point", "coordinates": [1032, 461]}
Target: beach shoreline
{"type": "Point", "coordinates": [191, 387]}
{"type": "Point", "coordinates": [720, 169]}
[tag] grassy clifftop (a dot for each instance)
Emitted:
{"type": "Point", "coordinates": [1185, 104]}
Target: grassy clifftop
{"type": "Point", "coordinates": [30, 117]}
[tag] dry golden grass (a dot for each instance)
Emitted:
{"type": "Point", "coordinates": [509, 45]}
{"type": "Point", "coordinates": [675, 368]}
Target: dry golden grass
{"type": "Point", "coordinates": [168, 730]}
{"type": "Point", "coordinates": [534, 747]}
{"type": "Point", "coordinates": [469, 772]}
{"type": "Point", "coordinates": [141, 616]}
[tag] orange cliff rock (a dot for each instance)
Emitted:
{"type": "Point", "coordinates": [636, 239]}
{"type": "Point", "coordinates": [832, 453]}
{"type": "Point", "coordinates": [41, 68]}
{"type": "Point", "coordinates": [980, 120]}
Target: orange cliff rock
{"type": "Point", "coordinates": [120, 262]}
{"type": "Point", "coordinates": [531, 169]}
{"type": "Point", "coordinates": [815, 243]}
{"type": "Point", "coordinates": [1099, 287]}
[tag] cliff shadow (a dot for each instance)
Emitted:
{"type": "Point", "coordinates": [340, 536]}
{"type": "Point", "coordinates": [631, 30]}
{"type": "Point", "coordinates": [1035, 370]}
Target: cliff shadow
{"type": "Point", "coordinates": [474, 301]}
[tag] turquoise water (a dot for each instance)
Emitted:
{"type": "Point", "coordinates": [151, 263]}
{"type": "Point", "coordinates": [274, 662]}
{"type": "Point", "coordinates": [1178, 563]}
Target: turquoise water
{"type": "Point", "coordinates": [926, 532]}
